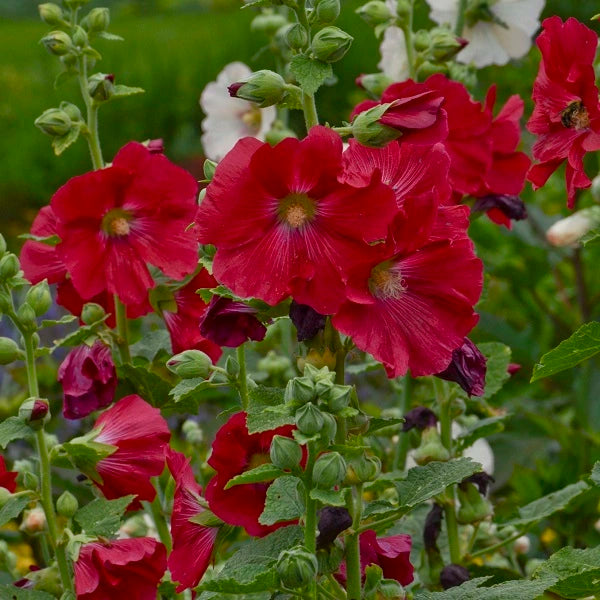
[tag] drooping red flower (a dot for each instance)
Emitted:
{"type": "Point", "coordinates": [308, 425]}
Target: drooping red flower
{"type": "Point", "coordinates": [115, 221]}
{"type": "Point", "coordinates": [89, 380]}
{"type": "Point", "coordinates": [193, 543]}
{"type": "Point", "coordinates": [140, 436]}
{"type": "Point", "coordinates": [128, 569]}
{"type": "Point", "coordinates": [8, 479]}
{"type": "Point", "coordinates": [235, 451]}
{"type": "Point", "coordinates": [566, 116]}
{"type": "Point", "coordinates": [281, 212]}
{"type": "Point", "coordinates": [183, 323]}
{"type": "Point", "coordinates": [467, 368]}
{"type": "Point", "coordinates": [230, 323]}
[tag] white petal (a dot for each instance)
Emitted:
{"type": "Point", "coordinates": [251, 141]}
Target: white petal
{"type": "Point", "coordinates": [514, 40]}
{"type": "Point", "coordinates": [525, 14]}
{"type": "Point", "coordinates": [447, 5]}
{"type": "Point", "coordinates": [268, 116]}
{"type": "Point", "coordinates": [394, 62]}
{"type": "Point", "coordinates": [483, 48]}
{"type": "Point", "coordinates": [481, 452]}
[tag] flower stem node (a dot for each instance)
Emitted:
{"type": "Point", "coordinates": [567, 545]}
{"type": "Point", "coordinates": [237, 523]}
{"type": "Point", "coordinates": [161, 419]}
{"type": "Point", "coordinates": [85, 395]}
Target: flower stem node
{"type": "Point", "coordinates": [296, 37]}
{"type": "Point", "coordinates": [327, 11]}
{"type": "Point", "coordinates": [9, 266]}
{"type": "Point", "coordinates": [35, 412]}
{"type": "Point", "coordinates": [9, 351]}
{"type": "Point", "coordinates": [374, 12]}
{"type": "Point", "coordinates": [67, 505]}
{"type": "Point", "coordinates": [431, 447]}
{"type": "Point", "coordinates": [329, 470]}
{"type": "Point", "coordinates": [92, 313]}
{"type": "Point", "coordinates": [58, 43]}
{"type": "Point", "coordinates": [369, 131]}
{"type": "Point", "coordinates": [190, 364]}
{"type": "Point", "coordinates": [297, 567]}
{"type": "Point", "coordinates": [27, 318]}
{"type": "Point", "coordinates": [39, 297]}
{"type": "Point", "coordinates": [51, 14]}
{"type": "Point", "coordinates": [101, 86]}
{"type": "Point", "coordinates": [331, 44]}
{"type": "Point", "coordinates": [285, 453]}
{"type": "Point", "coordinates": [264, 87]}
{"type": "Point", "coordinates": [268, 23]}
{"type": "Point", "coordinates": [97, 20]}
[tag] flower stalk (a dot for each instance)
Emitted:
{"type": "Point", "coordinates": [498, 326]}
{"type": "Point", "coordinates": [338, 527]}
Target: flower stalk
{"type": "Point", "coordinates": [353, 572]}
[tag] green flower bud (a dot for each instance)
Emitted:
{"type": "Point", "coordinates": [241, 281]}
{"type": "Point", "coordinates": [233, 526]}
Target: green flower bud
{"type": "Point", "coordinates": [98, 19]}
{"type": "Point", "coordinates": [431, 447]}
{"type": "Point", "coordinates": [35, 412]}
{"type": "Point", "coordinates": [374, 12]}
{"type": "Point", "coordinates": [421, 40]}
{"type": "Point", "coordinates": [329, 470]}
{"type": "Point", "coordinates": [67, 505]}
{"type": "Point", "coordinates": [473, 506]}
{"type": "Point", "coordinates": [374, 83]}
{"type": "Point", "coordinates": [327, 11]}
{"type": "Point", "coordinates": [300, 390]}
{"type": "Point", "coordinates": [27, 317]}
{"type": "Point", "coordinates": [263, 87]}
{"type": "Point", "coordinates": [286, 453]}
{"type": "Point", "coordinates": [101, 86]}
{"type": "Point", "coordinates": [39, 297]}
{"type": "Point", "coordinates": [9, 351]}
{"type": "Point", "coordinates": [329, 427]}
{"type": "Point", "coordinates": [31, 481]}
{"type": "Point", "coordinates": [390, 589]}
{"type": "Point", "coordinates": [92, 313]}
{"type": "Point", "coordinates": [296, 37]}
{"type": "Point", "coordinates": [192, 432]}
{"type": "Point", "coordinates": [331, 44]}
{"type": "Point", "coordinates": [323, 387]}
{"type": "Point", "coordinates": [190, 364]}
{"type": "Point", "coordinates": [465, 74]}
{"type": "Point", "coordinates": [273, 137]}
{"type": "Point", "coordinates": [54, 122]}
{"type": "Point", "coordinates": [9, 266]}
{"type": "Point", "coordinates": [232, 367]}
{"type": "Point", "coordinates": [5, 496]}
{"type": "Point", "coordinates": [403, 11]}
{"type": "Point", "coordinates": [80, 38]}
{"type": "Point", "coordinates": [268, 23]}
{"type": "Point", "coordinates": [3, 246]}
{"type": "Point", "coordinates": [72, 110]}
{"type": "Point", "coordinates": [427, 68]}
{"type": "Point", "coordinates": [444, 44]}
{"type": "Point", "coordinates": [338, 397]}
{"type": "Point", "coordinates": [368, 131]}
{"type": "Point", "coordinates": [362, 469]}
{"type": "Point", "coordinates": [209, 169]}
{"type": "Point", "coordinates": [51, 14]}
{"type": "Point", "coordinates": [309, 419]}
{"type": "Point", "coordinates": [358, 424]}
{"type": "Point", "coordinates": [297, 567]}
{"type": "Point", "coordinates": [58, 43]}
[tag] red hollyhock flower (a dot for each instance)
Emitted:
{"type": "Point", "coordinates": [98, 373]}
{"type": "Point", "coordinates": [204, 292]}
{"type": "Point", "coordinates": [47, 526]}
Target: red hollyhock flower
{"type": "Point", "coordinates": [114, 221]}
{"type": "Point", "coordinates": [8, 479]}
{"type": "Point", "coordinates": [281, 212]}
{"type": "Point", "coordinates": [184, 322]}
{"type": "Point", "coordinates": [192, 543]}
{"type": "Point", "coordinates": [140, 436]}
{"type": "Point", "coordinates": [229, 323]}
{"type": "Point", "coordinates": [120, 569]}
{"type": "Point", "coordinates": [566, 117]}
{"type": "Point", "coordinates": [89, 380]}
{"type": "Point", "coordinates": [235, 451]}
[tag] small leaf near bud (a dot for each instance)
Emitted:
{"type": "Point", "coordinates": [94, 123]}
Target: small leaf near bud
{"type": "Point", "coordinates": [209, 169]}
{"type": "Point", "coordinates": [51, 14]}
{"type": "Point", "coordinates": [9, 266]}
{"type": "Point", "coordinates": [331, 44]}
{"type": "Point", "coordinates": [67, 505]}
{"type": "Point", "coordinates": [285, 453]}
{"type": "Point", "coordinates": [190, 364]}
{"type": "Point", "coordinates": [329, 470]}
{"type": "Point", "coordinates": [39, 297]}
{"type": "Point", "coordinates": [297, 567]}
{"type": "Point", "coordinates": [58, 43]}
{"type": "Point", "coordinates": [5, 496]}
{"type": "Point", "coordinates": [9, 351]}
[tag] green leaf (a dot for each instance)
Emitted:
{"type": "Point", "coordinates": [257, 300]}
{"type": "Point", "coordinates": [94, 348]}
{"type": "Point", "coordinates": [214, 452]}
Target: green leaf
{"type": "Point", "coordinates": [62, 321]}
{"type": "Point", "coordinates": [151, 344]}
{"type": "Point", "coordinates": [148, 385]}
{"type": "Point", "coordinates": [105, 35]}
{"type": "Point", "coordinates": [422, 483]}
{"type": "Point", "coordinates": [266, 472]}
{"type": "Point", "coordinates": [498, 358]}
{"type": "Point", "coordinates": [546, 505]}
{"type": "Point", "coordinates": [121, 91]}
{"type": "Point", "coordinates": [187, 388]}
{"type": "Point", "coordinates": [375, 424]}
{"type": "Point", "coordinates": [11, 429]}
{"type": "Point", "coordinates": [62, 142]}
{"type": "Point", "coordinates": [219, 596]}
{"type": "Point", "coordinates": [10, 592]}
{"type": "Point", "coordinates": [260, 418]}
{"type": "Point", "coordinates": [310, 73]}
{"type": "Point", "coordinates": [252, 568]}
{"type": "Point", "coordinates": [329, 497]}
{"type": "Point", "coordinates": [379, 507]}
{"type": "Point", "coordinates": [50, 240]}
{"type": "Point", "coordinates": [578, 572]}
{"type": "Point", "coordinates": [102, 517]}
{"type": "Point", "coordinates": [583, 344]}
{"type": "Point", "coordinates": [13, 508]}
{"type": "Point", "coordinates": [284, 501]}
{"type": "Point", "coordinates": [595, 477]}
{"type": "Point", "coordinates": [481, 429]}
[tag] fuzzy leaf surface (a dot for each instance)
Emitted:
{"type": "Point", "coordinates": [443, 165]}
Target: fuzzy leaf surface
{"type": "Point", "coordinates": [284, 501]}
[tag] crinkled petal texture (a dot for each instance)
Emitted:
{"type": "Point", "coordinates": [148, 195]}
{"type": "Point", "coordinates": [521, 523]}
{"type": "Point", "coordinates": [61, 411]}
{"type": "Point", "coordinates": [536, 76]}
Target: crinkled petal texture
{"type": "Point", "coordinates": [141, 436]}
{"type": "Point", "coordinates": [282, 213]}
{"type": "Point", "coordinates": [235, 451]}
{"type": "Point", "coordinates": [128, 569]}
{"type": "Point", "coordinates": [115, 221]}
{"type": "Point", "coordinates": [192, 543]}
{"type": "Point", "coordinates": [8, 479]}
{"type": "Point", "coordinates": [89, 380]}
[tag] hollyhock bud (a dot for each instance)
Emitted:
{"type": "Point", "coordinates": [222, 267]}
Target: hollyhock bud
{"type": "Point", "coordinates": [285, 452]}
{"type": "Point", "coordinates": [362, 469]}
{"type": "Point", "coordinates": [369, 131]}
{"type": "Point", "coordinates": [308, 322]}
{"type": "Point", "coordinates": [374, 83]}
{"type": "Point", "coordinates": [297, 567]}
{"type": "Point", "coordinates": [34, 521]}
{"type": "Point", "coordinates": [35, 412]}
{"type": "Point", "coordinates": [67, 505]}
{"type": "Point", "coordinates": [329, 428]}
{"type": "Point", "coordinates": [9, 351]}
{"type": "Point", "coordinates": [98, 19]}
{"type": "Point", "coordinates": [5, 496]}
{"type": "Point", "coordinates": [332, 521]}
{"type": "Point", "coordinates": [568, 231]}
{"type": "Point", "coordinates": [338, 397]}
{"type": "Point", "coordinates": [419, 417]}
{"type": "Point", "coordinates": [58, 43]}
{"type": "Point", "coordinates": [329, 470]}
{"type": "Point", "coordinates": [190, 364]}
{"type": "Point", "coordinates": [510, 207]}
{"type": "Point", "coordinates": [327, 11]}
{"type": "Point", "coordinates": [467, 368]}
{"type": "Point", "coordinates": [453, 576]}
{"type": "Point", "coordinates": [309, 419]}
{"type": "Point", "coordinates": [80, 38]}
{"type": "Point", "coordinates": [433, 527]}
{"type": "Point", "coordinates": [331, 44]}
{"type": "Point", "coordinates": [444, 44]}
{"type": "Point", "coordinates": [300, 390]}
{"type": "Point", "coordinates": [268, 23]}
{"type": "Point", "coordinates": [75, 4]}
{"type": "Point", "coordinates": [39, 297]}
{"type": "Point", "coordinates": [54, 122]}
{"type": "Point", "coordinates": [89, 380]}
{"type": "Point", "coordinates": [9, 266]}
{"type": "Point", "coordinates": [403, 11]}
{"type": "Point", "coordinates": [263, 87]}
{"type": "Point", "coordinates": [374, 12]}
{"type": "Point", "coordinates": [473, 507]}
{"type": "Point", "coordinates": [431, 447]}
{"type": "Point", "coordinates": [522, 545]}
{"type": "Point", "coordinates": [101, 86]}
{"type": "Point", "coordinates": [51, 13]}
{"type": "Point", "coordinates": [27, 318]}
{"type": "Point", "coordinates": [296, 37]}
{"type": "Point", "coordinates": [421, 40]}
{"type": "Point", "coordinates": [428, 68]}
{"type": "Point", "coordinates": [92, 313]}
{"type": "Point", "coordinates": [482, 480]}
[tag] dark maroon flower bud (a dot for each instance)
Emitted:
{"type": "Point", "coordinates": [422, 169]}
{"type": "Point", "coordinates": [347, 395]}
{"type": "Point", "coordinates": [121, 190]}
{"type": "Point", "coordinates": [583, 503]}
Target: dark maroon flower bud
{"type": "Point", "coordinates": [453, 576]}
{"type": "Point", "coordinates": [467, 368]}
{"type": "Point", "coordinates": [156, 146]}
{"type": "Point", "coordinates": [34, 410]}
{"type": "Point", "coordinates": [332, 521]}
{"type": "Point", "coordinates": [433, 527]}
{"type": "Point", "coordinates": [308, 321]}
{"type": "Point", "coordinates": [419, 417]}
{"type": "Point", "coordinates": [230, 323]}
{"type": "Point", "coordinates": [512, 207]}
{"type": "Point", "coordinates": [513, 368]}
{"type": "Point", "coordinates": [482, 480]}
{"type": "Point", "coordinates": [234, 87]}
{"type": "Point", "coordinates": [89, 380]}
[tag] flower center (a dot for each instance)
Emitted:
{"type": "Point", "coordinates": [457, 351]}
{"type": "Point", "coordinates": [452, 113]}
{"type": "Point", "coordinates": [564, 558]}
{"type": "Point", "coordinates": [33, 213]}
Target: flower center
{"type": "Point", "coordinates": [296, 210]}
{"type": "Point", "coordinates": [386, 281]}
{"type": "Point", "coordinates": [258, 459]}
{"type": "Point", "coordinates": [116, 223]}
{"type": "Point", "coordinates": [575, 116]}
{"type": "Point", "coordinates": [252, 119]}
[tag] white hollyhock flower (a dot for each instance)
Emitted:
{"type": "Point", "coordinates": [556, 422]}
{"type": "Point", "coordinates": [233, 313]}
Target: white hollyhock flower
{"type": "Point", "coordinates": [394, 62]}
{"type": "Point", "coordinates": [230, 119]}
{"type": "Point", "coordinates": [493, 43]}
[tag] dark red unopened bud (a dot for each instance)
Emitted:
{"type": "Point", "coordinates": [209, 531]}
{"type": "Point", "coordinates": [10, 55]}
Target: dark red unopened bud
{"type": "Point", "coordinates": [307, 320]}
{"type": "Point", "coordinates": [156, 146]}
{"type": "Point", "coordinates": [234, 87]}
{"type": "Point", "coordinates": [510, 207]}
{"type": "Point", "coordinates": [467, 368]}
{"type": "Point", "coordinates": [332, 521]}
{"type": "Point", "coordinates": [39, 410]}
{"type": "Point", "coordinates": [513, 368]}
{"type": "Point", "coordinates": [482, 480]}
{"type": "Point", "coordinates": [433, 527]}
{"type": "Point", "coordinates": [453, 576]}
{"type": "Point", "coordinates": [419, 417]}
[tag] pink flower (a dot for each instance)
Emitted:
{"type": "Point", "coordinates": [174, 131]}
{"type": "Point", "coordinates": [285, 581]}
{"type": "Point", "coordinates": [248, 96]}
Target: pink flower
{"type": "Point", "coordinates": [192, 543]}
{"type": "Point", "coordinates": [120, 569]}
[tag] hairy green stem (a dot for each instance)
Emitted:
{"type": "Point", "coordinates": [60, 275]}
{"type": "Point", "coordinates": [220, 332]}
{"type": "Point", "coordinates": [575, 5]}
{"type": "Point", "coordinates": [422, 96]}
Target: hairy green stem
{"type": "Point", "coordinates": [308, 100]}
{"type": "Point", "coordinates": [243, 377]}
{"type": "Point", "coordinates": [402, 447]}
{"type": "Point", "coordinates": [407, 29]}
{"type": "Point", "coordinates": [93, 139]}
{"type": "Point", "coordinates": [122, 333]}
{"type": "Point", "coordinates": [491, 549]}
{"type": "Point", "coordinates": [353, 572]}
{"type": "Point", "coordinates": [460, 18]}
{"type": "Point", "coordinates": [310, 520]}
{"type": "Point", "coordinates": [159, 520]}
{"type": "Point", "coordinates": [340, 379]}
